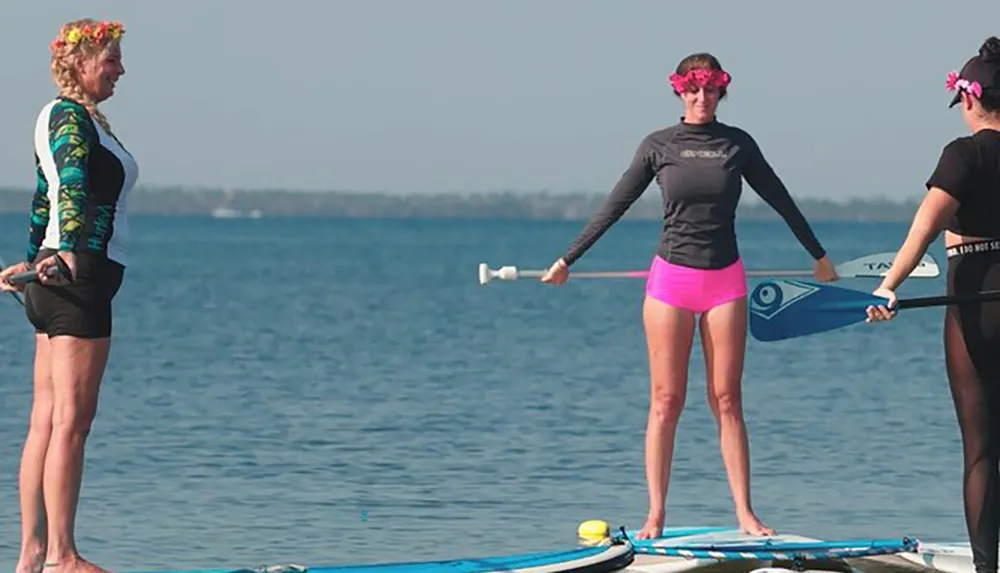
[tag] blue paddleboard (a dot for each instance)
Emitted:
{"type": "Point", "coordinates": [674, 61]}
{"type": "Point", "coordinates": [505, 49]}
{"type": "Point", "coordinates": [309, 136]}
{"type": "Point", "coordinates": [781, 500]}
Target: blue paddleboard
{"type": "Point", "coordinates": [601, 559]}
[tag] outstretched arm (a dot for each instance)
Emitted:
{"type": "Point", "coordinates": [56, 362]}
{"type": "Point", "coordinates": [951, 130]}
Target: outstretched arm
{"type": "Point", "coordinates": [629, 188]}
{"type": "Point", "coordinates": [771, 189]}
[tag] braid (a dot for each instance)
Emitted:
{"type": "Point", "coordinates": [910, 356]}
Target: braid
{"type": "Point", "coordinates": [63, 76]}
{"type": "Point", "coordinates": [64, 57]}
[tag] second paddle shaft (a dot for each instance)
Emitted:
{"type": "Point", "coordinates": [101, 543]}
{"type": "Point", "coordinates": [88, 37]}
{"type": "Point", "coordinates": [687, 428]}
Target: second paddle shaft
{"type": "Point", "coordinates": [644, 274]}
{"type": "Point", "coordinates": [534, 274]}
{"type": "Point", "coordinates": [32, 276]}
{"type": "Point", "coordinates": [942, 300]}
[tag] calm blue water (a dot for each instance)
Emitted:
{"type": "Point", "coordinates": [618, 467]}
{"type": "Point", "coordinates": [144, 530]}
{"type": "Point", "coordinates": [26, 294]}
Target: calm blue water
{"type": "Point", "coordinates": [273, 379]}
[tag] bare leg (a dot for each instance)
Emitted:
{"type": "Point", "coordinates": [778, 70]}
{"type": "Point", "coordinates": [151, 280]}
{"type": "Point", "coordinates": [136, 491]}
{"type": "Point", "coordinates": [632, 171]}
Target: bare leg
{"type": "Point", "coordinates": [723, 331]}
{"type": "Point", "coordinates": [77, 369]}
{"type": "Point", "coordinates": [669, 335]}
{"type": "Point", "coordinates": [33, 522]}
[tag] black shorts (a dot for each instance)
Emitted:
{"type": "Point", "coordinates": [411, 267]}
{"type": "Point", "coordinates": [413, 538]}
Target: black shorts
{"type": "Point", "coordinates": [81, 309]}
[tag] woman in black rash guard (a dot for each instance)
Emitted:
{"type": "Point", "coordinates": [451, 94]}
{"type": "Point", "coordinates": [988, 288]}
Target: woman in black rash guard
{"type": "Point", "coordinates": [696, 279]}
{"type": "Point", "coordinates": [963, 198]}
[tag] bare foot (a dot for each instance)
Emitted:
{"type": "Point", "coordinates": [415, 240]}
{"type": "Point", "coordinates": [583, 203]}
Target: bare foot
{"type": "Point", "coordinates": [750, 524]}
{"type": "Point", "coordinates": [30, 562]}
{"type": "Point", "coordinates": [652, 529]}
{"type": "Point", "coordinates": [75, 564]}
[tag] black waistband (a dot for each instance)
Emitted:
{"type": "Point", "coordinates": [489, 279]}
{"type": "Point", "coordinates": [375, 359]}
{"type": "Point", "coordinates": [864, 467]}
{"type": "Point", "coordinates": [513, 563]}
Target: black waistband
{"type": "Point", "coordinates": [990, 246]}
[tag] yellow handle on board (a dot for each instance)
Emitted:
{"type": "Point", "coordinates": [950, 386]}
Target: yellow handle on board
{"type": "Point", "coordinates": [593, 532]}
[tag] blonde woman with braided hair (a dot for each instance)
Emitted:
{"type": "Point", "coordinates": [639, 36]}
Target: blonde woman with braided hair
{"type": "Point", "coordinates": [83, 174]}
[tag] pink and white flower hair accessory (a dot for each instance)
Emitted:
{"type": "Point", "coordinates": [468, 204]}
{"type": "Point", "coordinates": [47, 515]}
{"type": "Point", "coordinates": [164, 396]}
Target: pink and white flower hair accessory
{"type": "Point", "coordinates": [956, 82]}
{"type": "Point", "coordinates": [699, 78]}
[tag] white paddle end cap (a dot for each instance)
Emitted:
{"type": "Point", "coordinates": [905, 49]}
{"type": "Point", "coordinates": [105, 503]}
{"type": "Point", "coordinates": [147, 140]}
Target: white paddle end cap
{"type": "Point", "coordinates": [484, 273]}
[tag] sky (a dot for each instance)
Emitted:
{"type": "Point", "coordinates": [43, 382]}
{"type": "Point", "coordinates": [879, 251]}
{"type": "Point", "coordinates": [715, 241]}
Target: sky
{"type": "Point", "coordinates": [846, 98]}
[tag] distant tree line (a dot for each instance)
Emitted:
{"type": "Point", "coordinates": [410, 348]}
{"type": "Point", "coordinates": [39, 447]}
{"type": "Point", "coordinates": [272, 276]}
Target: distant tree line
{"type": "Point", "coordinates": [494, 205]}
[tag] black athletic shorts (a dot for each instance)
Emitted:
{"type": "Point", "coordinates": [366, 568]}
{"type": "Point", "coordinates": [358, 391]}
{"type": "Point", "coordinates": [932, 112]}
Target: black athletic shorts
{"type": "Point", "coordinates": [81, 309]}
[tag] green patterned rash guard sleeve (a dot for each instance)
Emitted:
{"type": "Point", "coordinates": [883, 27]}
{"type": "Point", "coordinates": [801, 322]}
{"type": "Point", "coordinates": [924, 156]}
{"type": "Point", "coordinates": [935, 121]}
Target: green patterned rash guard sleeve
{"type": "Point", "coordinates": [39, 213]}
{"type": "Point", "coordinates": [71, 136]}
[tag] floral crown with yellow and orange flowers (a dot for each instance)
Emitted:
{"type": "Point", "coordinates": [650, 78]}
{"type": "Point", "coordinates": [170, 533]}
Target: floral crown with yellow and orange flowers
{"type": "Point", "coordinates": [96, 33]}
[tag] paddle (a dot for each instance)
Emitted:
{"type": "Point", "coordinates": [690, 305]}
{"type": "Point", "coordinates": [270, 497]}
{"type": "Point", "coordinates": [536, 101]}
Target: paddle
{"type": "Point", "coordinates": [32, 276]}
{"type": "Point", "coordinates": [784, 309]}
{"type": "Point", "coordinates": [17, 297]}
{"type": "Point", "coordinates": [870, 266]}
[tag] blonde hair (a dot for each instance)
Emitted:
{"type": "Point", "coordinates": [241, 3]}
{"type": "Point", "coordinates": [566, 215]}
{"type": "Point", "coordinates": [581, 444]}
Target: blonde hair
{"type": "Point", "coordinates": [78, 40]}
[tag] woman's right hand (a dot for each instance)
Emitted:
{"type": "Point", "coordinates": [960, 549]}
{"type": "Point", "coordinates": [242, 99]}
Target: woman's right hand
{"type": "Point", "coordinates": [883, 311]}
{"type": "Point", "coordinates": [557, 274]}
{"type": "Point", "coordinates": [9, 272]}
{"type": "Point", "coordinates": [824, 271]}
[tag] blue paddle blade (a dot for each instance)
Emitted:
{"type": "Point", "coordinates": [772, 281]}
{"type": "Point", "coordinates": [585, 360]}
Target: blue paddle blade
{"type": "Point", "coordinates": [782, 309]}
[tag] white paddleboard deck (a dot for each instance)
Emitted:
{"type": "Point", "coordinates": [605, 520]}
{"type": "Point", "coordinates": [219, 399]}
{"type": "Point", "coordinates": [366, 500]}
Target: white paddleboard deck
{"type": "Point", "coordinates": [679, 537]}
{"type": "Point", "coordinates": [942, 557]}
{"type": "Point", "coordinates": [929, 557]}
{"type": "Point", "coordinates": [946, 557]}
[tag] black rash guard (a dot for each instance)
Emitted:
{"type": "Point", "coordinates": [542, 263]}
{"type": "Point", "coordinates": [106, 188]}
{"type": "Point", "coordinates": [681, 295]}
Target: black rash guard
{"type": "Point", "coordinates": [698, 168]}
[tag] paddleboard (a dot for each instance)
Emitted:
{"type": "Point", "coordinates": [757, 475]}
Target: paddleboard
{"type": "Point", "coordinates": [600, 559]}
{"type": "Point", "coordinates": [730, 550]}
{"type": "Point", "coordinates": [948, 557]}
{"type": "Point", "coordinates": [673, 553]}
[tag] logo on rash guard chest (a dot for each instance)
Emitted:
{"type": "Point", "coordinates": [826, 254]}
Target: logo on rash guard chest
{"type": "Point", "coordinates": [704, 153]}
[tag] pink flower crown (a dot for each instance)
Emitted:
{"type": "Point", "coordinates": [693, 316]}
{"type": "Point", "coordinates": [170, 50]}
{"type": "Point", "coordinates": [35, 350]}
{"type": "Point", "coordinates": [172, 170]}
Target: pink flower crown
{"type": "Point", "coordinates": [96, 33]}
{"type": "Point", "coordinates": [699, 78]}
{"type": "Point", "coordinates": [956, 82]}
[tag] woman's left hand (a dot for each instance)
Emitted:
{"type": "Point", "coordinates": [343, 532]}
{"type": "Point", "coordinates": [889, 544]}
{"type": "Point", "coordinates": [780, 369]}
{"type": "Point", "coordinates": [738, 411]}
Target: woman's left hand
{"type": "Point", "coordinates": [49, 272]}
{"type": "Point", "coordinates": [824, 271]}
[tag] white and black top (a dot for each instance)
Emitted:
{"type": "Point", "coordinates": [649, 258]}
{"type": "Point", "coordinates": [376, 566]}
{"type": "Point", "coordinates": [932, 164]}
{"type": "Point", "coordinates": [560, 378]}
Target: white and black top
{"type": "Point", "coordinates": [86, 174]}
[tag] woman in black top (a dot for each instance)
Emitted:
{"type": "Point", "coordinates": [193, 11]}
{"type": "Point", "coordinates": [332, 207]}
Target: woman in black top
{"type": "Point", "coordinates": [697, 279]}
{"type": "Point", "coordinates": [963, 199]}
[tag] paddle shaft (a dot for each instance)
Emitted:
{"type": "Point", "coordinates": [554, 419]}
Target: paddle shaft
{"type": "Point", "coordinates": [643, 274]}
{"type": "Point", "coordinates": [869, 266]}
{"type": "Point", "coordinates": [17, 297]}
{"type": "Point", "coordinates": [23, 278]}
{"type": "Point", "coordinates": [32, 276]}
{"type": "Point", "coordinates": [535, 274]}
{"type": "Point", "coordinates": [942, 300]}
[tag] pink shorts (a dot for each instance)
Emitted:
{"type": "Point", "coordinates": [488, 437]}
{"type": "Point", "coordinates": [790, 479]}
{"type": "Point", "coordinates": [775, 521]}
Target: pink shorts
{"type": "Point", "coordinates": [693, 289]}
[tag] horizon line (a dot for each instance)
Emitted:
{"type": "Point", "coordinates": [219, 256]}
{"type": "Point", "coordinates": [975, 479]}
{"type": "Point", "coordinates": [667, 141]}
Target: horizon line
{"type": "Point", "coordinates": [547, 193]}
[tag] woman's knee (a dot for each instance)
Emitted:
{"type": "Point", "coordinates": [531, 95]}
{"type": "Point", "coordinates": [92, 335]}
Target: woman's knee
{"type": "Point", "coordinates": [73, 416]}
{"type": "Point", "coordinates": [669, 336]}
{"type": "Point", "coordinates": [726, 404]}
{"type": "Point", "coordinates": [666, 405]}
{"type": "Point", "coordinates": [40, 419]}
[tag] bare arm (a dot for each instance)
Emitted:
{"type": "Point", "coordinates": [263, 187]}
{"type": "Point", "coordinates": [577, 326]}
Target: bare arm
{"type": "Point", "coordinates": [937, 207]}
{"type": "Point", "coordinates": [947, 185]}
